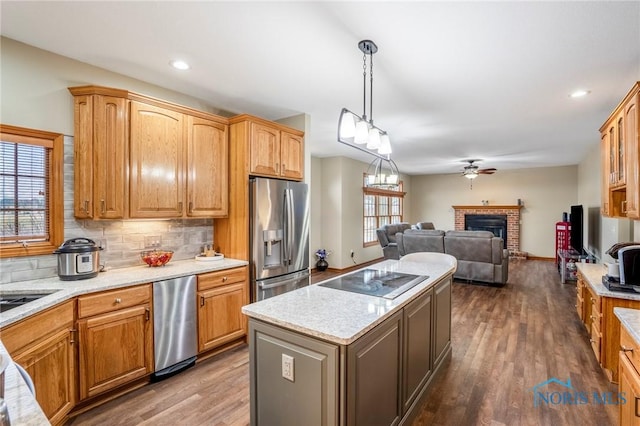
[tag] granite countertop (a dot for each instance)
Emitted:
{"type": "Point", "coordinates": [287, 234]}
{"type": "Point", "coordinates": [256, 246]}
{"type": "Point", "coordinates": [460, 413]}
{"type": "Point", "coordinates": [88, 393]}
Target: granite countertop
{"type": "Point", "coordinates": [340, 316]}
{"type": "Point", "coordinates": [109, 279]}
{"type": "Point", "coordinates": [630, 319]}
{"type": "Point", "coordinates": [593, 273]}
{"type": "Point", "coordinates": [21, 404]}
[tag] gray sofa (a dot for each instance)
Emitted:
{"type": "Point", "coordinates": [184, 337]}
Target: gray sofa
{"type": "Point", "coordinates": [481, 256]}
{"type": "Point", "coordinates": [387, 238]}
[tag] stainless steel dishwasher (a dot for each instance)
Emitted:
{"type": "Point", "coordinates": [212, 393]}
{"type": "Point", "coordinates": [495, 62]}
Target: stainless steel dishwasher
{"type": "Point", "coordinates": [174, 325]}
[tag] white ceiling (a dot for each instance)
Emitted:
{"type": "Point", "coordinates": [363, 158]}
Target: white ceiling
{"type": "Point", "coordinates": [452, 80]}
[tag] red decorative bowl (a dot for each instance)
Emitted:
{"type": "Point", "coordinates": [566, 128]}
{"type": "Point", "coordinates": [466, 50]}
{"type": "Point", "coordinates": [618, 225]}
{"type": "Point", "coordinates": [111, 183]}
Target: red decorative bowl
{"type": "Point", "coordinates": [156, 257]}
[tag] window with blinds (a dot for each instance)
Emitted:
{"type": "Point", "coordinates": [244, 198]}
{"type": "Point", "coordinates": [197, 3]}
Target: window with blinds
{"type": "Point", "coordinates": [24, 215]}
{"type": "Point", "coordinates": [381, 206]}
{"type": "Point", "coordinates": [31, 197]}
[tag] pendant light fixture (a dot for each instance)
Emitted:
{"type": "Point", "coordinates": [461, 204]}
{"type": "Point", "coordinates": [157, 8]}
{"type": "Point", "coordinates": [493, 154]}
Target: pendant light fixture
{"type": "Point", "coordinates": [359, 131]}
{"type": "Point", "coordinates": [383, 173]}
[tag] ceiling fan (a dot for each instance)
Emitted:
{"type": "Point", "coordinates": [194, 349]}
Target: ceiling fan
{"type": "Point", "coordinates": [471, 171]}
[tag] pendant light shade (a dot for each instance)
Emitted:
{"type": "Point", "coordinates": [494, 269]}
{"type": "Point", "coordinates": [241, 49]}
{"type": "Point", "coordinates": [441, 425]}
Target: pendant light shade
{"type": "Point", "coordinates": [364, 131]}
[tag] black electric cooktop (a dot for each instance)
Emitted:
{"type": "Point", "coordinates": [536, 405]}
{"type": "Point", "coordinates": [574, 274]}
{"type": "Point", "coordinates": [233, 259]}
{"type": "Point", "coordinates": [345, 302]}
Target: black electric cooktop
{"type": "Point", "coordinates": [387, 284]}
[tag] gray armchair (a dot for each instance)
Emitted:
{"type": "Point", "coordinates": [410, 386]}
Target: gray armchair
{"type": "Point", "coordinates": [387, 238]}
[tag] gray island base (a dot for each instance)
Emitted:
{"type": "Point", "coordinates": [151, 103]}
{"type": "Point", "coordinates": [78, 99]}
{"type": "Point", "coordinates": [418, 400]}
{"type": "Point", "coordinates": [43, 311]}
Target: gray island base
{"type": "Point", "coordinates": [325, 356]}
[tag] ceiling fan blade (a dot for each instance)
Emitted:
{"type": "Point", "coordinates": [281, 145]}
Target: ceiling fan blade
{"type": "Point", "coordinates": [487, 171]}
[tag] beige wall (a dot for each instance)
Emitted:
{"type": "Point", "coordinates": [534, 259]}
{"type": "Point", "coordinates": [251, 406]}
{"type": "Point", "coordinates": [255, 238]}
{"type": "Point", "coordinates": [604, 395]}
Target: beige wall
{"type": "Point", "coordinates": [546, 193]}
{"type": "Point", "coordinates": [34, 87]}
{"type": "Point", "coordinates": [336, 215]}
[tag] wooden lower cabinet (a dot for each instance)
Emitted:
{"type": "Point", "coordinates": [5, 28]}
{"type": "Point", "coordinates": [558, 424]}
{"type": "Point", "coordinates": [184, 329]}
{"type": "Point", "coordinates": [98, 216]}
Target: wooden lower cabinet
{"type": "Point", "coordinates": [629, 379]}
{"type": "Point", "coordinates": [442, 320]}
{"type": "Point", "coordinates": [221, 296]}
{"type": "Point", "coordinates": [44, 345]}
{"type": "Point", "coordinates": [116, 345]}
{"type": "Point", "coordinates": [629, 386]}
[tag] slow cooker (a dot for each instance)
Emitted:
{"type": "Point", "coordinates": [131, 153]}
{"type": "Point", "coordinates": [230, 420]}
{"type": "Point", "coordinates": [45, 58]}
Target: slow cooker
{"type": "Point", "coordinates": [78, 259]}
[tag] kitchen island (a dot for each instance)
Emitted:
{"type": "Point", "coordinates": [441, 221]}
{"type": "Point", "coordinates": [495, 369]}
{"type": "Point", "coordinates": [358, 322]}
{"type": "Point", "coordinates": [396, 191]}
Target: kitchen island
{"type": "Point", "coordinates": [326, 356]}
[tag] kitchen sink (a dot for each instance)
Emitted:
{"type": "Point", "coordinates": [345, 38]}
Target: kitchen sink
{"type": "Point", "coordinates": [10, 301]}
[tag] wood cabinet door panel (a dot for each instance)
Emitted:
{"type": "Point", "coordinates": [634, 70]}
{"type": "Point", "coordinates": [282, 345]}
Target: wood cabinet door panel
{"type": "Point", "coordinates": [207, 168]}
{"type": "Point", "coordinates": [442, 320]}
{"type": "Point", "coordinates": [115, 348]}
{"type": "Point", "coordinates": [417, 352]}
{"type": "Point", "coordinates": [219, 315]}
{"type": "Point", "coordinates": [156, 162]}
{"type": "Point", "coordinates": [51, 365]}
{"type": "Point", "coordinates": [220, 318]}
{"type": "Point", "coordinates": [83, 157]}
{"type": "Point", "coordinates": [265, 150]}
{"type": "Point", "coordinates": [292, 156]}
{"type": "Point", "coordinates": [633, 158]}
{"type": "Point", "coordinates": [629, 387]}
{"type": "Point", "coordinates": [110, 156]}
{"type": "Point", "coordinates": [374, 399]}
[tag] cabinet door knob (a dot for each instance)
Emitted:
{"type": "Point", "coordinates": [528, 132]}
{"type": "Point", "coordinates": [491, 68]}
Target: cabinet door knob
{"type": "Point", "coordinates": [623, 348]}
{"type": "Point", "coordinates": [118, 300]}
{"type": "Point", "coordinates": [224, 279]}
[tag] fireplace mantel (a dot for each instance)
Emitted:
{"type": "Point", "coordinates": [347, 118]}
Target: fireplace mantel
{"type": "Point", "coordinates": [487, 207]}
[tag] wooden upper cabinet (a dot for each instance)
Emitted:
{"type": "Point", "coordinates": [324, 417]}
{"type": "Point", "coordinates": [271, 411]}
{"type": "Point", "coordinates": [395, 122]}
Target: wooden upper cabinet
{"type": "Point", "coordinates": [110, 156]}
{"type": "Point", "coordinates": [141, 157]}
{"type": "Point", "coordinates": [631, 139]}
{"type": "Point", "coordinates": [100, 157]}
{"type": "Point", "coordinates": [157, 159]}
{"type": "Point", "coordinates": [83, 157]}
{"type": "Point", "coordinates": [292, 156]}
{"type": "Point", "coordinates": [274, 150]}
{"type": "Point", "coordinates": [620, 170]}
{"type": "Point", "coordinates": [604, 151]}
{"type": "Point", "coordinates": [264, 150]}
{"type": "Point", "coordinates": [207, 168]}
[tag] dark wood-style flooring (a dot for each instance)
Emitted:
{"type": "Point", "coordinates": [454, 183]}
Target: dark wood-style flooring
{"type": "Point", "coordinates": [505, 341]}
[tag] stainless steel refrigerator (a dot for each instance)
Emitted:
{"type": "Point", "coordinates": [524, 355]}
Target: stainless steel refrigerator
{"type": "Point", "coordinates": [279, 236]}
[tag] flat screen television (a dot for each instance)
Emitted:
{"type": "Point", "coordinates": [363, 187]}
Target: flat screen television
{"type": "Point", "coordinates": [576, 220]}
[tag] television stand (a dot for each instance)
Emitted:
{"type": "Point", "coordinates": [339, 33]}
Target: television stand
{"type": "Point", "coordinates": [568, 258]}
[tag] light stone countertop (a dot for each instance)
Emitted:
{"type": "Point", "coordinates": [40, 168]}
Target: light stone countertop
{"type": "Point", "coordinates": [21, 404]}
{"type": "Point", "coordinates": [630, 319]}
{"type": "Point", "coordinates": [340, 316]}
{"type": "Point", "coordinates": [109, 279]}
{"type": "Point", "coordinates": [593, 273]}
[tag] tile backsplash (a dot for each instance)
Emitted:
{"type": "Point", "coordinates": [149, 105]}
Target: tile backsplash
{"type": "Point", "coordinates": [122, 239]}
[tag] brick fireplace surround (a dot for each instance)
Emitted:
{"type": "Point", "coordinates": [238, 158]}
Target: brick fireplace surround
{"type": "Point", "coordinates": [513, 221]}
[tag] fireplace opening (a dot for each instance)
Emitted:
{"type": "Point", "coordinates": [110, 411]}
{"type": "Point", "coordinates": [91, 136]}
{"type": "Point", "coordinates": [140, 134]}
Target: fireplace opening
{"type": "Point", "coordinates": [496, 223]}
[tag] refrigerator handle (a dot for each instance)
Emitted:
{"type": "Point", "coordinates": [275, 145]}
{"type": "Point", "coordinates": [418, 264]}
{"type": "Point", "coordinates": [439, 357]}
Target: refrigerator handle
{"type": "Point", "coordinates": [290, 225]}
{"type": "Point", "coordinates": [287, 230]}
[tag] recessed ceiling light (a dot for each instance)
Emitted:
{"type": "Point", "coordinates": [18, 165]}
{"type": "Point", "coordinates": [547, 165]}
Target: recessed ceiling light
{"type": "Point", "coordinates": [179, 65]}
{"type": "Point", "coordinates": [580, 93]}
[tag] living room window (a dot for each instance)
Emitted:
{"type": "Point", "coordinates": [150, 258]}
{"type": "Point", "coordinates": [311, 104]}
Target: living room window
{"type": "Point", "coordinates": [381, 206]}
{"type": "Point", "coordinates": [31, 201]}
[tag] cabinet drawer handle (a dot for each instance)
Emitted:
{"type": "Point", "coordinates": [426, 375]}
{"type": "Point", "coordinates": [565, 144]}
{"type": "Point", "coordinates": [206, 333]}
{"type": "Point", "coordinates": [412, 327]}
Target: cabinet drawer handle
{"type": "Point", "coordinates": [623, 348]}
{"type": "Point", "coordinates": [224, 279]}
{"type": "Point", "coordinates": [72, 338]}
{"type": "Point", "coordinates": [102, 206]}
{"type": "Point", "coordinates": [636, 407]}
{"type": "Point", "coordinates": [86, 206]}
{"type": "Point", "coordinates": [118, 300]}
{"type": "Point", "coordinates": [284, 168]}
{"type": "Point", "coordinates": [190, 207]}
{"type": "Point", "coordinates": [592, 341]}
{"type": "Point", "coordinates": [277, 168]}
{"type": "Point", "coordinates": [201, 300]}
{"type": "Point", "coordinates": [147, 314]}
{"type": "Point", "coordinates": [180, 207]}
